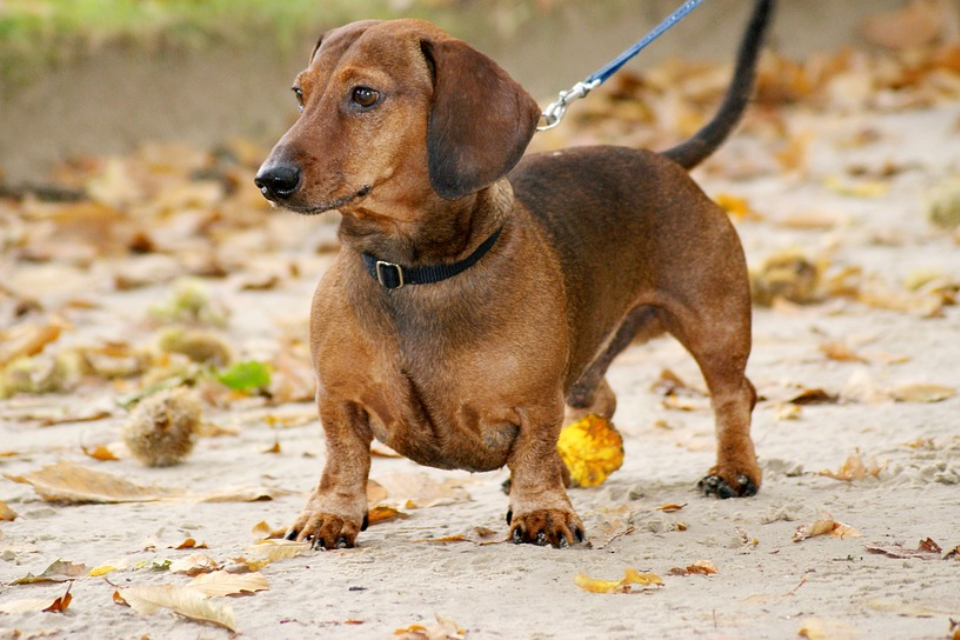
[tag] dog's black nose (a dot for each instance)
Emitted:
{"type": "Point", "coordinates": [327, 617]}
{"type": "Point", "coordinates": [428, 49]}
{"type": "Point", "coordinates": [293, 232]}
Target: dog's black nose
{"type": "Point", "coordinates": [278, 182]}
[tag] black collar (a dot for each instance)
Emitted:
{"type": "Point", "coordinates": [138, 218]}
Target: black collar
{"type": "Point", "coordinates": [394, 276]}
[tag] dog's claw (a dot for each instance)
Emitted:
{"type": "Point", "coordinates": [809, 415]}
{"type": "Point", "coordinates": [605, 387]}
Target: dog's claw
{"type": "Point", "coordinates": [509, 516]}
{"type": "Point", "coordinates": [517, 536]}
{"type": "Point", "coordinates": [541, 539]}
{"type": "Point", "coordinates": [713, 485]}
{"type": "Point", "coordinates": [547, 528]}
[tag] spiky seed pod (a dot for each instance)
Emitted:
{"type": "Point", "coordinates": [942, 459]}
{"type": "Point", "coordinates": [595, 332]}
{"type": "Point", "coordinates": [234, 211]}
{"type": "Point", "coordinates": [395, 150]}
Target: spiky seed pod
{"type": "Point", "coordinates": [162, 428]}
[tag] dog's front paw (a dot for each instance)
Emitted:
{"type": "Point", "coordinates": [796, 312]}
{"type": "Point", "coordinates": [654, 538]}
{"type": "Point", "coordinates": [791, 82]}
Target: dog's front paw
{"type": "Point", "coordinates": [554, 527]}
{"type": "Point", "coordinates": [714, 485]}
{"type": "Point", "coordinates": [326, 530]}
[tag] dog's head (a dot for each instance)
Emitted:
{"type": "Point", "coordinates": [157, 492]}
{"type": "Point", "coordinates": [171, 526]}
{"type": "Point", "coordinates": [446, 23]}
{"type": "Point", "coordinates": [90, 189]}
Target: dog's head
{"type": "Point", "coordinates": [393, 113]}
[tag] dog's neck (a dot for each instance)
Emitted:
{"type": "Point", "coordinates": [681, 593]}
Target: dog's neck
{"type": "Point", "coordinates": [442, 231]}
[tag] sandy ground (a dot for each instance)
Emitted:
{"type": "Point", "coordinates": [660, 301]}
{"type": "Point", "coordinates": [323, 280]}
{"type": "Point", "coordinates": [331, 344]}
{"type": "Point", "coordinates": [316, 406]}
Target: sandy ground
{"type": "Point", "coordinates": [766, 585]}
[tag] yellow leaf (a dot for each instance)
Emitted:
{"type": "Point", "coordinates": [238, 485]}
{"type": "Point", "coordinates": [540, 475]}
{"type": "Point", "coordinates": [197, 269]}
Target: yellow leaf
{"type": "Point", "coordinates": [100, 452]}
{"type": "Point", "coordinates": [223, 583]}
{"type": "Point", "coordinates": [274, 550]}
{"type": "Point", "coordinates": [28, 339]}
{"type": "Point", "coordinates": [736, 206]}
{"type": "Point", "coordinates": [671, 507]}
{"type": "Point", "coordinates": [382, 513]}
{"type": "Point", "coordinates": [6, 513]}
{"type": "Point", "coordinates": [631, 576]}
{"type": "Point", "coordinates": [591, 449]}
{"type": "Point", "coordinates": [856, 189]}
{"type": "Point", "coordinates": [102, 570]}
{"type": "Point", "coordinates": [185, 601]}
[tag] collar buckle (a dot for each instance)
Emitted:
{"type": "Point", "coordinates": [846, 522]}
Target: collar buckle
{"type": "Point", "coordinates": [389, 274]}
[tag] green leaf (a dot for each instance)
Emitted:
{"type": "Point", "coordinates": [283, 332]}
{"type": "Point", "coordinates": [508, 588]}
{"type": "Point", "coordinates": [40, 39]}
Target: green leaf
{"type": "Point", "coordinates": [246, 376]}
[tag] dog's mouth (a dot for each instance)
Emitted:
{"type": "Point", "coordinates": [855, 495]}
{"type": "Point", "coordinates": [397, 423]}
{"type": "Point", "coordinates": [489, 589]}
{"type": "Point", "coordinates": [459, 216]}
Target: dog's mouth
{"type": "Point", "coordinates": [309, 210]}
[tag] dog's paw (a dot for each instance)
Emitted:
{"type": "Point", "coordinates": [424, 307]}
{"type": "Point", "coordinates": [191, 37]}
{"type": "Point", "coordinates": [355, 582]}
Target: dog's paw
{"type": "Point", "coordinates": [554, 527]}
{"type": "Point", "coordinates": [326, 530]}
{"type": "Point", "coordinates": [714, 485]}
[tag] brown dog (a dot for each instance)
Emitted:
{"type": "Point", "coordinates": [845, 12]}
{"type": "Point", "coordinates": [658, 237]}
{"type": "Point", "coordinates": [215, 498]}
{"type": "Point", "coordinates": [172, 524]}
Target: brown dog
{"type": "Point", "coordinates": [473, 295]}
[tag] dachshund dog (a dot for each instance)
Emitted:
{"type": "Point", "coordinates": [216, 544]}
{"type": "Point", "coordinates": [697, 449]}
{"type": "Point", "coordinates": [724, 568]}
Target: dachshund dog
{"type": "Point", "coordinates": [480, 294]}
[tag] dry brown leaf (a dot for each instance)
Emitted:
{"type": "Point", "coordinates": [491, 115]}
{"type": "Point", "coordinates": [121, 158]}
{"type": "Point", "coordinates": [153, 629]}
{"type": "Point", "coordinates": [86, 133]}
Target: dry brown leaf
{"type": "Point", "coordinates": [927, 549]}
{"type": "Point", "coordinates": [383, 513]}
{"type": "Point", "coordinates": [825, 526]}
{"type": "Point", "coordinates": [185, 601]}
{"type": "Point", "coordinates": [223, 583]}
{"type": "Point", "coordinates": [812, 396]}
{"type": "Point", "coordinates": [194, 564]}
{"type": "Point", "coordinates": [477, 535]}
{"type": "Point", "coordinates": [28, 339]}
{"type": "Point", "coordinates": [58, 571]}
{"type": "Point", "coordinates": [6, 513]}
{"type": "Point", "coordinates": [700, 567]}
{"type": "Point", "coordinates": [854, 468]}
{"type": "Point", "coordinates": [43, 605]}
{"type": "Point", "coordinates": [625, 585]}
{"type": "Point", "coordinates": [190, 543]}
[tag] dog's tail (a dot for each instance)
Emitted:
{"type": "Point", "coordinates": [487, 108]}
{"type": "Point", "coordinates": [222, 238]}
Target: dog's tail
{"type": "Point", "coordinates": [692, 152]}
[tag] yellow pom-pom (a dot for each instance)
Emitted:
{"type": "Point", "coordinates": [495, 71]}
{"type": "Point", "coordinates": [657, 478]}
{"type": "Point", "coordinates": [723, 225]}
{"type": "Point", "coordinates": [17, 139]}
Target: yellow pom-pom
{"type": "Point", "coordinates": [591, 449]}
{"type": "Point", "coordinates": [162, 428]}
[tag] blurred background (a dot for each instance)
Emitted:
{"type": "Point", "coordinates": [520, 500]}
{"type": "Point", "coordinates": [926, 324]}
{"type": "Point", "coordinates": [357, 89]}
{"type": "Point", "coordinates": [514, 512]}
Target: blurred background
{"type": "Point", "coordinates": [92, 77]}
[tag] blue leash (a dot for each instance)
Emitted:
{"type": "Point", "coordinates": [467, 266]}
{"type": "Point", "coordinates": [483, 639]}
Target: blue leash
{"type": "Point", "coordinates": [555, 112]}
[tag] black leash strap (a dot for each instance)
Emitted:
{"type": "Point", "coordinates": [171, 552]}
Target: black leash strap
{"type": "Point", "coordinates": [395, 276]}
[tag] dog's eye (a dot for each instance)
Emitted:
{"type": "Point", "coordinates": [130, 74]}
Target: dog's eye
{"type": "Point", "coordinates": [365, 97]}
{"type": "Point", "coordinates": [297, 91]}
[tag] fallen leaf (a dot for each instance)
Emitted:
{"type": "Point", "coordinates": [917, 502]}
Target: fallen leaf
{"type": "Point", "coordinates": [194, 564]}
{"type": "Point", "coordinates": [736, 206]}
{"type": "Point", "coordinates": [854, 468]}
{"type": "Point", "coordinates": [927, 549]}
{"type": "Point", "coordinates": [825, 526]}
{"type": "Point", "coordinates": [856, 188]}
{"type": "Point", "coordinates": [100, 452]}
{"type": "Point", "coordinates": [42, 605]}
{"type": "Point", "coordinates": [477, 535]}
{"type": "Point", "coordinates": [274, 550]}
{"type": "Point", "coordinates": [185, 601]}
{"type": "Point", "coordinates": [28, 339]}
{"type": "Point", "coordinates": [382, 513]}
{"type": "Point", "coordinates": [700, 567]}
{"type": "Point", "coordinates": [624, 585]}
{"type": "Point", "coordinates": [922, 392]}
{"type": "Point", "coordinates": [819, 629]}
{"type": "Point", "coordinates": [6, 513]}
{"type": "Point", "coordinates": [836, 350]}
{"type": "Point", "coordinates": [419, 490]}
{"type": "Point", "coordinates": [812, 396]}
{"type": "Point", "coordinates": [190, 543]}
{"type": "Point", "coordinates": [58, 571]}
{"type": "Point", "coordinates": [223, 583]}
{"type": "Point", "coordinates": [444, 629]}
{"type": "Point", "coordinates": [591, 449]}
{"type": "Point", "coordinates": [68, 482]}
{"type": "Point", "coordinates": [246, 377]}
{"type": "Point", "coordinates": [671, 507]}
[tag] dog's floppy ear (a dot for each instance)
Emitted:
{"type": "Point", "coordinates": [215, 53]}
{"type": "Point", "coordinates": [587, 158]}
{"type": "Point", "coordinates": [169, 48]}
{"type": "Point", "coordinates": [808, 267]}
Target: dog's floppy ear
{"type": "Point", "coordinates": [481, 119]}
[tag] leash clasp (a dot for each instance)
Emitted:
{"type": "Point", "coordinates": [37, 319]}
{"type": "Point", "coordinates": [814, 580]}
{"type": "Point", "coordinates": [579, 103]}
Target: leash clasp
{"type": "Point", "coordinates": [554, 113]}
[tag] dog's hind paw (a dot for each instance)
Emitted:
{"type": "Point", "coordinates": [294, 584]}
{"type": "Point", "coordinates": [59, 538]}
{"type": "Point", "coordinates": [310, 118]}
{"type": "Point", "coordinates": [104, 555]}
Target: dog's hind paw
{"type": "Point", "coordinates": [543, 527]}
{"type": "Point", "coordinates": [713, 485]}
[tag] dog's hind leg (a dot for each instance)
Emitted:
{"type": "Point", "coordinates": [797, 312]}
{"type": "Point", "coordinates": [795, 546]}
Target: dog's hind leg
{"type": "Point", "coordinates": [591, 394]}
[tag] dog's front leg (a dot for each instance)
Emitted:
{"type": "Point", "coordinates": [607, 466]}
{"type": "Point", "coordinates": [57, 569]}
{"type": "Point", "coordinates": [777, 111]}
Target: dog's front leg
{"type": "Point", "coordinates": [337, 510]}
{"type": "Point", "coordinates": [540, 511]}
